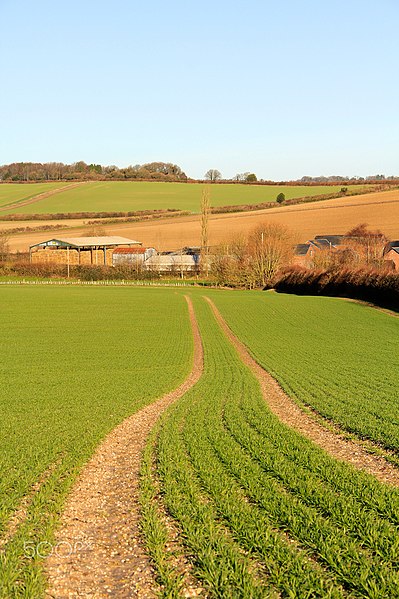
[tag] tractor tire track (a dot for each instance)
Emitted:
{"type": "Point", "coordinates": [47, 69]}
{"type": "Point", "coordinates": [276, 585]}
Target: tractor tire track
{"type": "Point", "coordinates": [292, 415]}
{"type": "Point", "coordinates": [40, 196]}
{"type": "Point", "coordinates": [100, 552]}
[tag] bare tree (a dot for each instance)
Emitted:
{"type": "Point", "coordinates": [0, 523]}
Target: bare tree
{"type": "Point", "coordinates": [367, 246]}
{"type": "Point", "coordinates": [241, 176]}
{"type": "Point", "coordinates": [205, 210]}
{"type": "Point", "coordinates": [270, 246]}
{"type": "Point", "coordinates": [4, 247]}
{"type": "Point", "coordinates": [213, 175]}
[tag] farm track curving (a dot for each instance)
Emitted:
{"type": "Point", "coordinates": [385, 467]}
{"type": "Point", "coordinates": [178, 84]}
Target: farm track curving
{"type": "Point", "coordinates": [101, 519]}
{"type": "Point", "coordinates": [292, 415]}
{"type": "Point", "coordinates": [40, 196]}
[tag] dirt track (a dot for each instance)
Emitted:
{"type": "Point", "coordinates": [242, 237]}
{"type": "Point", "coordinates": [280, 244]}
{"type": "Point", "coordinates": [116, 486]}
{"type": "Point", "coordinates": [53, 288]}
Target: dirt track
{"type": "Point", "coordinates": [101, 518]}
{"type": "Point", "coordinates": [379, 210]}
{"type": "Point", "coordinates": [40, 196]}
{"type": "Point", "coordinates": [292, 415]}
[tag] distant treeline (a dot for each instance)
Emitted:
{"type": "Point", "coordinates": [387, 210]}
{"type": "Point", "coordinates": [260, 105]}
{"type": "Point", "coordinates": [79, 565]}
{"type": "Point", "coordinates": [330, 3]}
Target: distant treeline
{"type": "Point", "coordinates": [80, 171]}
{"type": "Point", "coordinates": [30, 172]}
{"type": "Point", "coordinates": [339, 179]}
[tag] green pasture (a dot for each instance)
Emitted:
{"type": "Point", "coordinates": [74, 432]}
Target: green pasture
{"type": "Point", "coordinates": [338, 357]}
{"type": "Point", "coordinates": [74, 363]}
{"type": "Point", "coordinates": [14, 192]}
{"type": "Point", "coordinates": [129, 196]}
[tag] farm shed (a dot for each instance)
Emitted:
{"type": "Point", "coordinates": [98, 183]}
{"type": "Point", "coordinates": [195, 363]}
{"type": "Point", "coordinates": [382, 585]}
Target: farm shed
{"type": "Point", "coordinates": [78, 250]}
{"type": "Point", "coordinates": [132, 256]}
{"type": "Point", "coordinates": [173, 263]}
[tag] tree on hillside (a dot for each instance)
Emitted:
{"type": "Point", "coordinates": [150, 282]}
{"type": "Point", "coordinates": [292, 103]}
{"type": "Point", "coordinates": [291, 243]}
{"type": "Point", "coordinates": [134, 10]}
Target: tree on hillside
{"type": "Point", "coordinates": [241, 176]}
{"type": "Point", "coordinates": [280, 198]}
{"type": "Point", "coordinates": [251, 178]}
{"type": "Point", "coordinates": [213, 175]}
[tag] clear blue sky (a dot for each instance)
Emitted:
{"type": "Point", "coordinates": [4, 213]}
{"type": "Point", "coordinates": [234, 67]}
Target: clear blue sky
{"type": "Point", "coordinates": [281, 88]}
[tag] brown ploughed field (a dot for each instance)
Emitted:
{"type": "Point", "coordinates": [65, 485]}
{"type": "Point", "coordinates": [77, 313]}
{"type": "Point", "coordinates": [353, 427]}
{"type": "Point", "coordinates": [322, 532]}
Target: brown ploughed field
{"type": "Point", "coordinates": [378, 210]}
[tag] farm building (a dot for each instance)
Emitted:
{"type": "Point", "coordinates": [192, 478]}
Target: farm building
{"type": "Point", "coordinates": [304, 252]}
{"type": "Point", "coordinates": [390, 245]}
{"type": "Point", "coordinates": [392, 255]}
{"type": "Point", "coordinates": [79, 250]}
{"type": "Point", "coordinates": [132, 256]}
{"type": "Point", "coordinates": [173, 263]}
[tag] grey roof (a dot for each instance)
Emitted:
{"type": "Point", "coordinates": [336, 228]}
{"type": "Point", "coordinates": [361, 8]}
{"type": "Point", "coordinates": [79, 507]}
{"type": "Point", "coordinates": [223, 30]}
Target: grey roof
{"type": "Point", "coordinates": [333, 239]}
{"type": "Point", "coordinates": [301, 249]}
{"type": "Point", "coordinates": [393, 249]}
{"type": "Point", "coordinates": [323, 244]}
{"type": "Point", "coordinates": [390, 245]}
{"type": "Point", "coordinates": [89, 241]}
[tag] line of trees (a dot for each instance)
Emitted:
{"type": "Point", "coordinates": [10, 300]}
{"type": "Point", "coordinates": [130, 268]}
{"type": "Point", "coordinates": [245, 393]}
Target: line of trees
{"type": "Point", "coordinates": [58, 171]}
{"type": "Point", "coordinates": [157, 171]}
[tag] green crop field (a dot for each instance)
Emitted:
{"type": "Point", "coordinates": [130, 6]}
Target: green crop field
{"type": "Point", "coordinates": [74, 363]}
{"type": "Point", "coordinates": [10, 193]}
{"type": "Point", "coordinates": [259, 510]}
{"type": "Point", "coordinates": [130, 196]}
{"type": "Point", "coordinates": [262, 512]}
{"type": "Point", "coordinates": [336, 356]}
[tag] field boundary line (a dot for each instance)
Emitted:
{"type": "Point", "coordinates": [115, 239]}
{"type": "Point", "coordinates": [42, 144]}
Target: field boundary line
{"type": "Point", "coordinates": [102, 513]}
{"type": "Point", "coordinates": [104, 283]}
{"type": "Point", "coordinates": [289, 412]}
{"type": "Point", "coordinates": [40, 196]}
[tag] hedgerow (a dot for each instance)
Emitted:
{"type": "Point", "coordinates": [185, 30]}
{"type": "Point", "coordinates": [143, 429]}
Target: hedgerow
{"type": "Point", "coordinates": [376, 286]}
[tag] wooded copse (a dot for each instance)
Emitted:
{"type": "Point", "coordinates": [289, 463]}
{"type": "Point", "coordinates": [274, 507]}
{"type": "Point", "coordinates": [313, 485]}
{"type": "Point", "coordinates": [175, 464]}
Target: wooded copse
{"type": "Point", "coordinates": [58, 171]}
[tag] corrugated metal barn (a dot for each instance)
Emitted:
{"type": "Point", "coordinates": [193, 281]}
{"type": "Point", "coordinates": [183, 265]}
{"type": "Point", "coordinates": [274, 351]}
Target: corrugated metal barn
{"type": "Point", "coordinates": [173, 263]}
{"type": "Point", "coordinates": [79, 250]}
{"type": "Point", "coordinates": [133, 256]}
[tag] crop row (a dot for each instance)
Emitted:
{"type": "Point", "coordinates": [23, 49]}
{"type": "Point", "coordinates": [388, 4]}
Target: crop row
{"type": "Point", "coordinates": [338, 357]}
{"type": "Point", "coordinates": [261, 510]}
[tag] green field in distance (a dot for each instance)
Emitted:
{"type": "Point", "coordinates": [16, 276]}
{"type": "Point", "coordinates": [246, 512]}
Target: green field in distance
{"type": "Point", "coordinates": [130, 196]}
{"type": "Point", "coordinates": [18, 192]}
